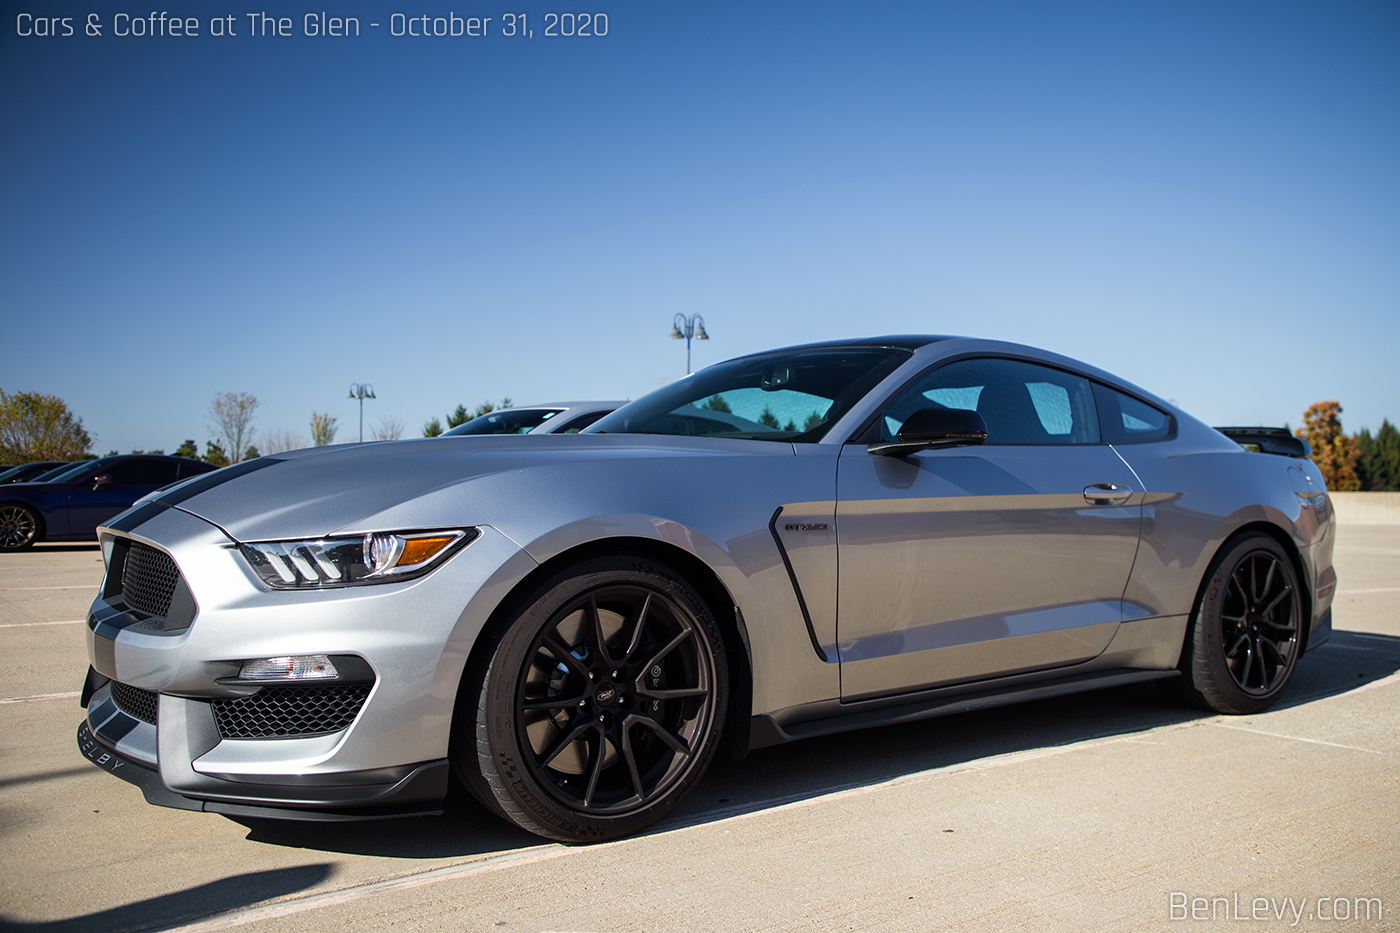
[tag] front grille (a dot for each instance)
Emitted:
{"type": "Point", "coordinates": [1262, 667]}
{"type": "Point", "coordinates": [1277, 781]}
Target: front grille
{"type": "Point", "coordinates": [134, 701]}
{"type": "Point", "coordinates": [290, 712]}
{"type": "Point", "coordinates": [148, 582]}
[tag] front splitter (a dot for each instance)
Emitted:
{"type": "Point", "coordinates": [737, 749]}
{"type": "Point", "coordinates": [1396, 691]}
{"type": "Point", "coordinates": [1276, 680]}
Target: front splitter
{"type": "Point", "coordinates": [156, 793]}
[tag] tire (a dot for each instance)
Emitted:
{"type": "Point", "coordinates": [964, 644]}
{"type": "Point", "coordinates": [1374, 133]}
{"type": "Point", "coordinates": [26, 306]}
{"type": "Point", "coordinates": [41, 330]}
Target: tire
{"type": "Point", "coordinates": [601, 705]}
{"type": "Point", "coordinates": [1243, 643]}
{"type": "Point", "coordinates": [20, 527]}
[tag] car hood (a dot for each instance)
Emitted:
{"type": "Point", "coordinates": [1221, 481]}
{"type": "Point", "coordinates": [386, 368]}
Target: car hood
{"type": "Point", "coordinates": [439, 482]}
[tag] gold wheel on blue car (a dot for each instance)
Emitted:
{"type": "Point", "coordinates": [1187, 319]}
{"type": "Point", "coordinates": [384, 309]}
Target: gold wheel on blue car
{"type": "Point", "coordinates": [603, 703]}
{"type": "Point", "coordinates": [1247, 633]}
{"type": "Point", "coordinates": [19, 527]}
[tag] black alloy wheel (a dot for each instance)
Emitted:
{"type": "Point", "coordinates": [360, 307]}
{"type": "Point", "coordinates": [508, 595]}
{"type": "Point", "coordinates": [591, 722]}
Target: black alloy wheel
{"type": "Point", "coordinates": [602, 705]}
{"type": "Point", "coordinates": [1245, 638]}
{"type": "Point", "coordinates": [19, 527]}
{"type": "Point", "coordinates": [1259, 623]}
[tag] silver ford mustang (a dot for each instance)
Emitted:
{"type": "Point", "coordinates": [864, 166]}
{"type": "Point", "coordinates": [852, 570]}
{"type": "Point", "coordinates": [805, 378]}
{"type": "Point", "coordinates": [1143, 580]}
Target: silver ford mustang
{"type": "Point", "coordinates": [784, 545]}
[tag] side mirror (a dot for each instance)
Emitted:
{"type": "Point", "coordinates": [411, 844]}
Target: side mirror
{"type": "Point", "coordinates": [100, 482]}
{"type": "Point", "coordinates": [934, 429]}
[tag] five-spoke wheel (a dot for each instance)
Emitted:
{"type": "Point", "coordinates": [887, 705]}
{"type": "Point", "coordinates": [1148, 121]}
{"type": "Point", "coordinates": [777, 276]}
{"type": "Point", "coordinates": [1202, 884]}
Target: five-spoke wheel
{"type": "Point", "coordinates": [1245, 638]}
{"type": "Point", "coordinates": [602, 704]}
{"type": "Point", "coordinates": [19, 527]}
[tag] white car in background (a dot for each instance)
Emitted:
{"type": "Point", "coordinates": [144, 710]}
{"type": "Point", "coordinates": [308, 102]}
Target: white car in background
{"type": "Point", "coordinates": [546, 418]}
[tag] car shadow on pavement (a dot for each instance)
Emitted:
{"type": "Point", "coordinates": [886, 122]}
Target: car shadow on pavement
{"type": "Point", "coordinates": [180, 907]}
{"type": "Point", "coordinates": [774, 776]}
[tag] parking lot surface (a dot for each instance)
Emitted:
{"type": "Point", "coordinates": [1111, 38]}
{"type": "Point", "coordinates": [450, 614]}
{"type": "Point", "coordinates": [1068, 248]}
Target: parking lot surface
{"type": "Point", "coordinates": [1114, 810]}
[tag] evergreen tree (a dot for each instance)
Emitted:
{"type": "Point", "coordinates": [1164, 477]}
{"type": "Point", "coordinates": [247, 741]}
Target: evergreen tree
{"type": "Point", "coordinates": [432, 427]}
{"type": "Point", "coordinates": [717, 403]}
{"type": "Point", "coordinates": [213, 453]}
{"type": "Point", "coordinates": [459, 416]}
{"type": "Point", "coordinates": [188, 450]}
{"type": "Point", "coordinates": [1379, 462]}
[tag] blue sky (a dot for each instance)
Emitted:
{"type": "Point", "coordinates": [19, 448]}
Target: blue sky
{"type": "Point", "coordinates": [1201, 197]}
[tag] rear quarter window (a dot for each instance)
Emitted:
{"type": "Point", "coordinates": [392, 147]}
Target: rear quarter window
{"type": "Point", "coordinates": [1124, 419]}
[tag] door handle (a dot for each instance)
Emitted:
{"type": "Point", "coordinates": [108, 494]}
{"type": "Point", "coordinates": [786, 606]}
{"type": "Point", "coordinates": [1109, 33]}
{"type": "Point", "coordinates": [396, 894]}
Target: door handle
{"type": "Point", "coordinates": [1107, 494]}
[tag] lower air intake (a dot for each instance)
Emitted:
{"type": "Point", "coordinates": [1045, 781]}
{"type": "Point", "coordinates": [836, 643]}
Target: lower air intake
{"type": "Point", "coordinates": [290, 712]}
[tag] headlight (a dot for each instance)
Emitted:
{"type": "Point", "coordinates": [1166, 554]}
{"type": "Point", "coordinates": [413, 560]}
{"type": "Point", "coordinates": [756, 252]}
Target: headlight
{"type": "Point", "coordinates": [372, 558]}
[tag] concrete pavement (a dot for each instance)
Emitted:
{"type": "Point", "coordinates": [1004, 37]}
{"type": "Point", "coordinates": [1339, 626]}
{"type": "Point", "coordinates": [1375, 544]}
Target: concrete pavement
{"type": "Point", "coordinates": [1109, 811]}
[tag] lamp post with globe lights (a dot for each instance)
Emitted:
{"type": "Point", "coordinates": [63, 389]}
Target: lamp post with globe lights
{"type": "Point", "coordinates": [361, 391]}
{"type": "Point", "coordinates": [684, 327]}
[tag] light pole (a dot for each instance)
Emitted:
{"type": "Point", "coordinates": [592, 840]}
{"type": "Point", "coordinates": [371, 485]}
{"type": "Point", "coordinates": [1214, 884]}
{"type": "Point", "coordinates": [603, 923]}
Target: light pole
{"type": "Point", "coordinates": [688, 327]}
{"type": "Point", "coordinates": [361, 391]}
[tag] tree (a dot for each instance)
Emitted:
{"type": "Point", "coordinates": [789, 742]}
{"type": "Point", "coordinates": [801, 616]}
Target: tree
{"type": "Point", "coordinates": [717, 403]}
{"type": "Point", "coordinates": [277, 441]}
{"type": "Point", "coordinates": [1335, 454]}
{"type": "Point", "coordinates": [485, 408]}
{"type": "Point", "coordinates": [390, 429]}
{"type": "Point", "coordinates": [251, 453]}
{"type": "Point", "coordinates": [1379, 464]}
{"type": "Point", "coordinates": [214, 453]}
{"type": "Point", "coordinates": [768, 418]}
{"type": "Point", "coordinates": [39, 427]}
{"type": "Point", "coordinates": [322, 429]}
{"type": "Point", "coordinates": [188, 449]}
{"type": "Point", "coordinates": [232, 414]}
{"type": "Point", "coordinates": [460, 416]}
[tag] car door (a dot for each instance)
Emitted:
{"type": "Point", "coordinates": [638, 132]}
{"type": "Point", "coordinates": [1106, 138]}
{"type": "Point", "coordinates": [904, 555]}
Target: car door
{"type": "Point", "coordinates": [976, 562]}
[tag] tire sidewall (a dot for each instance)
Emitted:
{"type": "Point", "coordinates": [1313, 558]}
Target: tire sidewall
{"type": "Point", "coordinates": [1208, 671]}
{"type": "Point", "coordinates": [510, 780]}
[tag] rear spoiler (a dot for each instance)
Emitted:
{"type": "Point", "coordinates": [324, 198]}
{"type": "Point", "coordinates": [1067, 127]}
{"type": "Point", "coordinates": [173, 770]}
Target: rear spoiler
{"type": "Point", "coordinates": [1269, 441]}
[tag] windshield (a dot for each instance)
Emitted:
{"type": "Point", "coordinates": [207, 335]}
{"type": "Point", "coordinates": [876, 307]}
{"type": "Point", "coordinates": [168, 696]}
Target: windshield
{"type": "Point", "coordinates": [516, 421]}
{"type": "Point", "coordinates": [791, 395]}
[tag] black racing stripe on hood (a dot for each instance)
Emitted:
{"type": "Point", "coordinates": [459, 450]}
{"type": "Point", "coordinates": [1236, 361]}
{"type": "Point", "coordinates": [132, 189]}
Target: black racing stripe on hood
{"type": "Point", "coordinates": [217, 478]}
{"type": "Point", "coordinates": [132, 519]}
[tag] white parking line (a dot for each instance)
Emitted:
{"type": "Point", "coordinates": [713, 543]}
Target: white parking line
{"type": "Point", "coordinates": [41, 696]}
{"type": "Point", "coordinates": [75, 586]}
{"type": "Point", "coordinates": [1298, 738]}
{"type": "Point", "coordinates": [28, 624]}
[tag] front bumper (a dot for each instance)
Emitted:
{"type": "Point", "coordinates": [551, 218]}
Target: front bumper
{"type": "Point", "coordinates": [418, 793]}
{"type": "Point", "coordinates": [190, 736]}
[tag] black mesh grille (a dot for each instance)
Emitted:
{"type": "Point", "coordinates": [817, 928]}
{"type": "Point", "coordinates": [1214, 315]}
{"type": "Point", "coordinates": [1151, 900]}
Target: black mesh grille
{"type": "Point", "coordinates": [148, 583]}
{"type": "Point", "coordinates": [136, 702]}
{"type": "Point", "coordinates": [290, 712]}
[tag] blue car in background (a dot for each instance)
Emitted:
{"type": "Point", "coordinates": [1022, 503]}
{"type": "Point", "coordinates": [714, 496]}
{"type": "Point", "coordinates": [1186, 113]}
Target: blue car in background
{"type": "Point", "coordinates": [70, 505]}
{"type": "Point", "coordinates": [29, 472]}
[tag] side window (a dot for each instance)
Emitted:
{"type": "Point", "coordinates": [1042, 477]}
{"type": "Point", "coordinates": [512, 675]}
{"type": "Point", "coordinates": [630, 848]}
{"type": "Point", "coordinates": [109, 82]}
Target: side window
{"type": "Point", "coordinates": [193, 468]}
{"type": "Point", "coordinates": [1125, 420]}
{"type": "Point", "coordinates": [1022, 403]}
{"type": "Point", "coordinates": [143, 473]}
{"type": "Point", "coordinates": [581, 422]}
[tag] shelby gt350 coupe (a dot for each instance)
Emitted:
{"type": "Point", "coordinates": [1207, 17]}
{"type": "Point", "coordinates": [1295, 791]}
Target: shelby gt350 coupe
{"type": "Point", "coordinates": [780, 546]}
